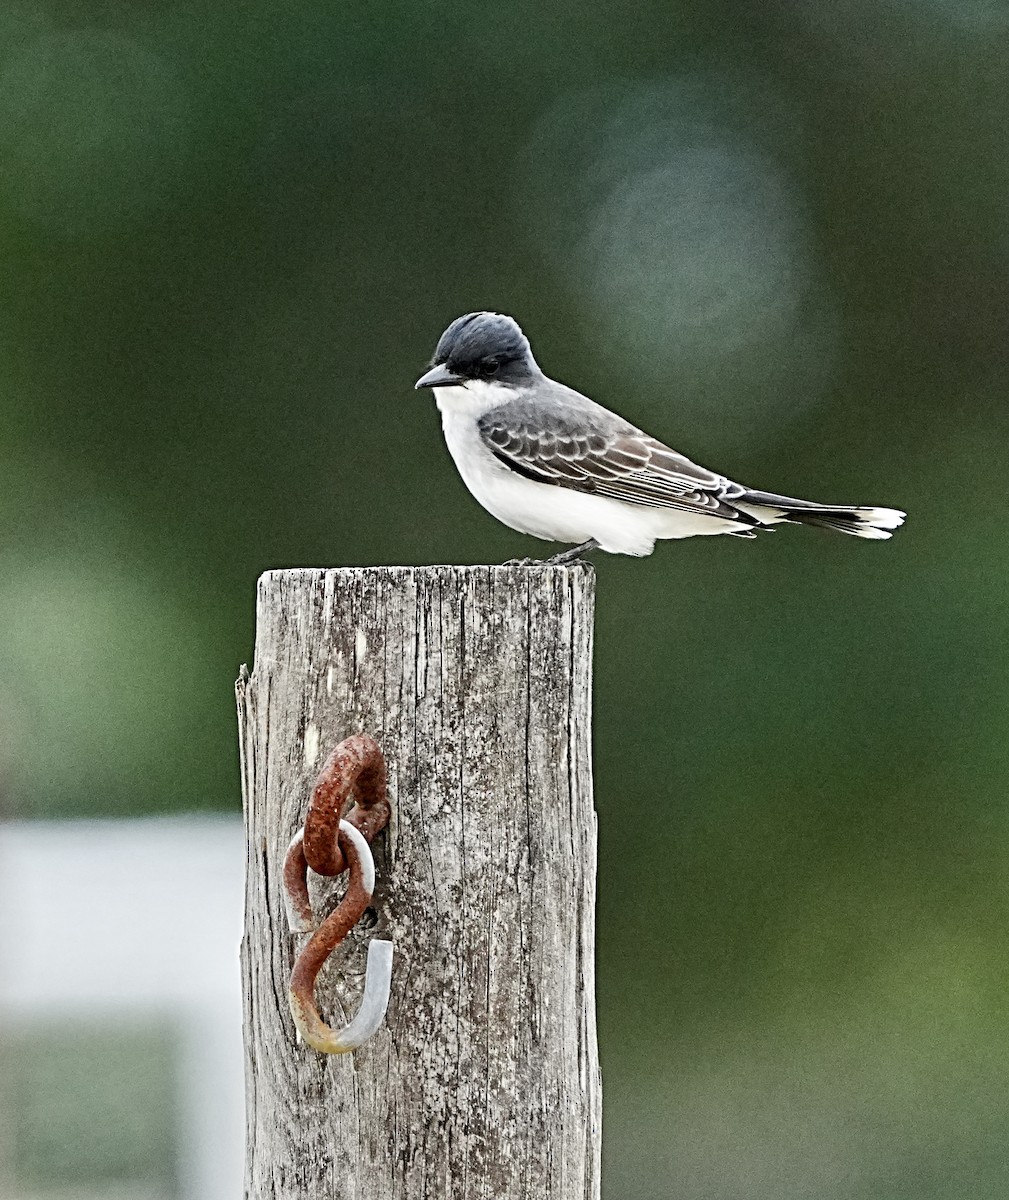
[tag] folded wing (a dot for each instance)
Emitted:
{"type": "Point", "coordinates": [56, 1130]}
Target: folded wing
{"type": "Point", "coordinates": [594, 451]}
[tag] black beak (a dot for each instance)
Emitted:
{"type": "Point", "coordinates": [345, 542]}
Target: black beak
{"type": "Point", "coordinates": [439, 376]}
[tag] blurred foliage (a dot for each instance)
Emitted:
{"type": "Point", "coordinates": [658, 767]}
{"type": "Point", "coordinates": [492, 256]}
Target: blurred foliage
{"type": "Point", "coordinates": [98, 1113]}
{"type": "Point", "coordinates": [773, 233]}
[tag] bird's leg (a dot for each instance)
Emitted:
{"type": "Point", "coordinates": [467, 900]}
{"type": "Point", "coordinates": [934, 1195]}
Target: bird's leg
{"type": "Point", "coordinates": [572, 555]}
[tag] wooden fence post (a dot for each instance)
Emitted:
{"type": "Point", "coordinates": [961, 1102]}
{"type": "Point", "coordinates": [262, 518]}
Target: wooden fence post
{"type": "Point", "coordinates": [484, 1081]}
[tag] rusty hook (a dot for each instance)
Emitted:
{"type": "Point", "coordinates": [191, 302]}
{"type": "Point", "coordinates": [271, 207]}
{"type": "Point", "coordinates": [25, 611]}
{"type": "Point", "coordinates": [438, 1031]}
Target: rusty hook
{"type": "Point", "coordinates": [330, 843]}
{"type": "Point", "coordinates": [378, 974]}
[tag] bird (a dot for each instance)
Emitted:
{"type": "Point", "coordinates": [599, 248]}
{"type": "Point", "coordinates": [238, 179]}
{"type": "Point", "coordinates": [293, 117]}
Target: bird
{"type": "Point", "coordinates": [548, 461]}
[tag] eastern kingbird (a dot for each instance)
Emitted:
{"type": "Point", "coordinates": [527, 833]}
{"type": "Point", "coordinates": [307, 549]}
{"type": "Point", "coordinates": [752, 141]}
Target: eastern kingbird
{"type": "Point", "coordinates": [546, 460]}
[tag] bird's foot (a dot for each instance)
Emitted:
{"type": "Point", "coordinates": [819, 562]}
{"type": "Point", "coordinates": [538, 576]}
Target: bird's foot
{"type": "Point", "coordinates": [558, 560]}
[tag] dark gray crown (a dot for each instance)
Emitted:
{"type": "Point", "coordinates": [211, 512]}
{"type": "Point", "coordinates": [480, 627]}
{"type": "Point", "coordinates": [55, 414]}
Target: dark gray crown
{"type": "Point", "coordinates": [481, 335]}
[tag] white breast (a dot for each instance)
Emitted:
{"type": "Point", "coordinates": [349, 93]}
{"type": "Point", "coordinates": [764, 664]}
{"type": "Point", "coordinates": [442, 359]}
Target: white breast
{"type": "Point", "coordinates": [552, 513]}
{"type": "Point", "coordinates": [556, 514]}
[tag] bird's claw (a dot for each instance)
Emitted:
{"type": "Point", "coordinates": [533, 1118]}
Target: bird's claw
{"type": "Point", "coordinates": [565, 558]}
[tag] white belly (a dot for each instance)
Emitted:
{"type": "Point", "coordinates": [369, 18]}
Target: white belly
{"type": "Point", "coordinates": [559, 514]}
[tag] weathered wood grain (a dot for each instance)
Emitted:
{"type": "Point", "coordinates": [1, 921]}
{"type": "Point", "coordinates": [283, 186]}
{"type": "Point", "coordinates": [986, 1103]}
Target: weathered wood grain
{"type": "Point", "coordinates": [484, 1082]}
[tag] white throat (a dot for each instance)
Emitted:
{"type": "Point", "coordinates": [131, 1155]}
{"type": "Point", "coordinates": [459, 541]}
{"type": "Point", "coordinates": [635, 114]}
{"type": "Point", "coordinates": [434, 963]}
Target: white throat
{"type": "Point", "coordinates": [474, 398]}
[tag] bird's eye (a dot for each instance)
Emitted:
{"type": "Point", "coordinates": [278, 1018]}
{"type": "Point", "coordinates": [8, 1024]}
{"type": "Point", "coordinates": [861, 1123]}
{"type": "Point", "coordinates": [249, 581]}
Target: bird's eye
{"type": "Point", "coordinates": [490, 366]}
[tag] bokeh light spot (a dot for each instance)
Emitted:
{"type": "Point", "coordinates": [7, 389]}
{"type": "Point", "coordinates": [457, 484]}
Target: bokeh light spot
{"type": "Point", "coordinates": [669, 210]}
{"type": "Point", "coordinates": [696, 255]}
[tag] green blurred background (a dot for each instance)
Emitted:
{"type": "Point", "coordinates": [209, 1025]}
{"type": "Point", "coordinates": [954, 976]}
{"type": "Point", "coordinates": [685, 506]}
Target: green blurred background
{"type": "Point", "coordinates": [775, 234]}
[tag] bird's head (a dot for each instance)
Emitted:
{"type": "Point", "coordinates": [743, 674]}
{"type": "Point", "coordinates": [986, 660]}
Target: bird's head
{"type": "Point", "coordinates": [481, 347]}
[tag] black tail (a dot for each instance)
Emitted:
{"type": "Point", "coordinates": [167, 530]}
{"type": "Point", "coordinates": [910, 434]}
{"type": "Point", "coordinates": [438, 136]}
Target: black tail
{"type": "Point", "coordinates": [863, 522]}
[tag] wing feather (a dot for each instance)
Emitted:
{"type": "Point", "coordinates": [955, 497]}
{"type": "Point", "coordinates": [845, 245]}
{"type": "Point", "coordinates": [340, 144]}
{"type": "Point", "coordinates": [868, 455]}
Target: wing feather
{"type": "Point", "coordinates": [572, 448]}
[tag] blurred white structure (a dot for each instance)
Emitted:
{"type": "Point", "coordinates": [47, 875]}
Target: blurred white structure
{"type": "Point", "coordinates": [139, 919]}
